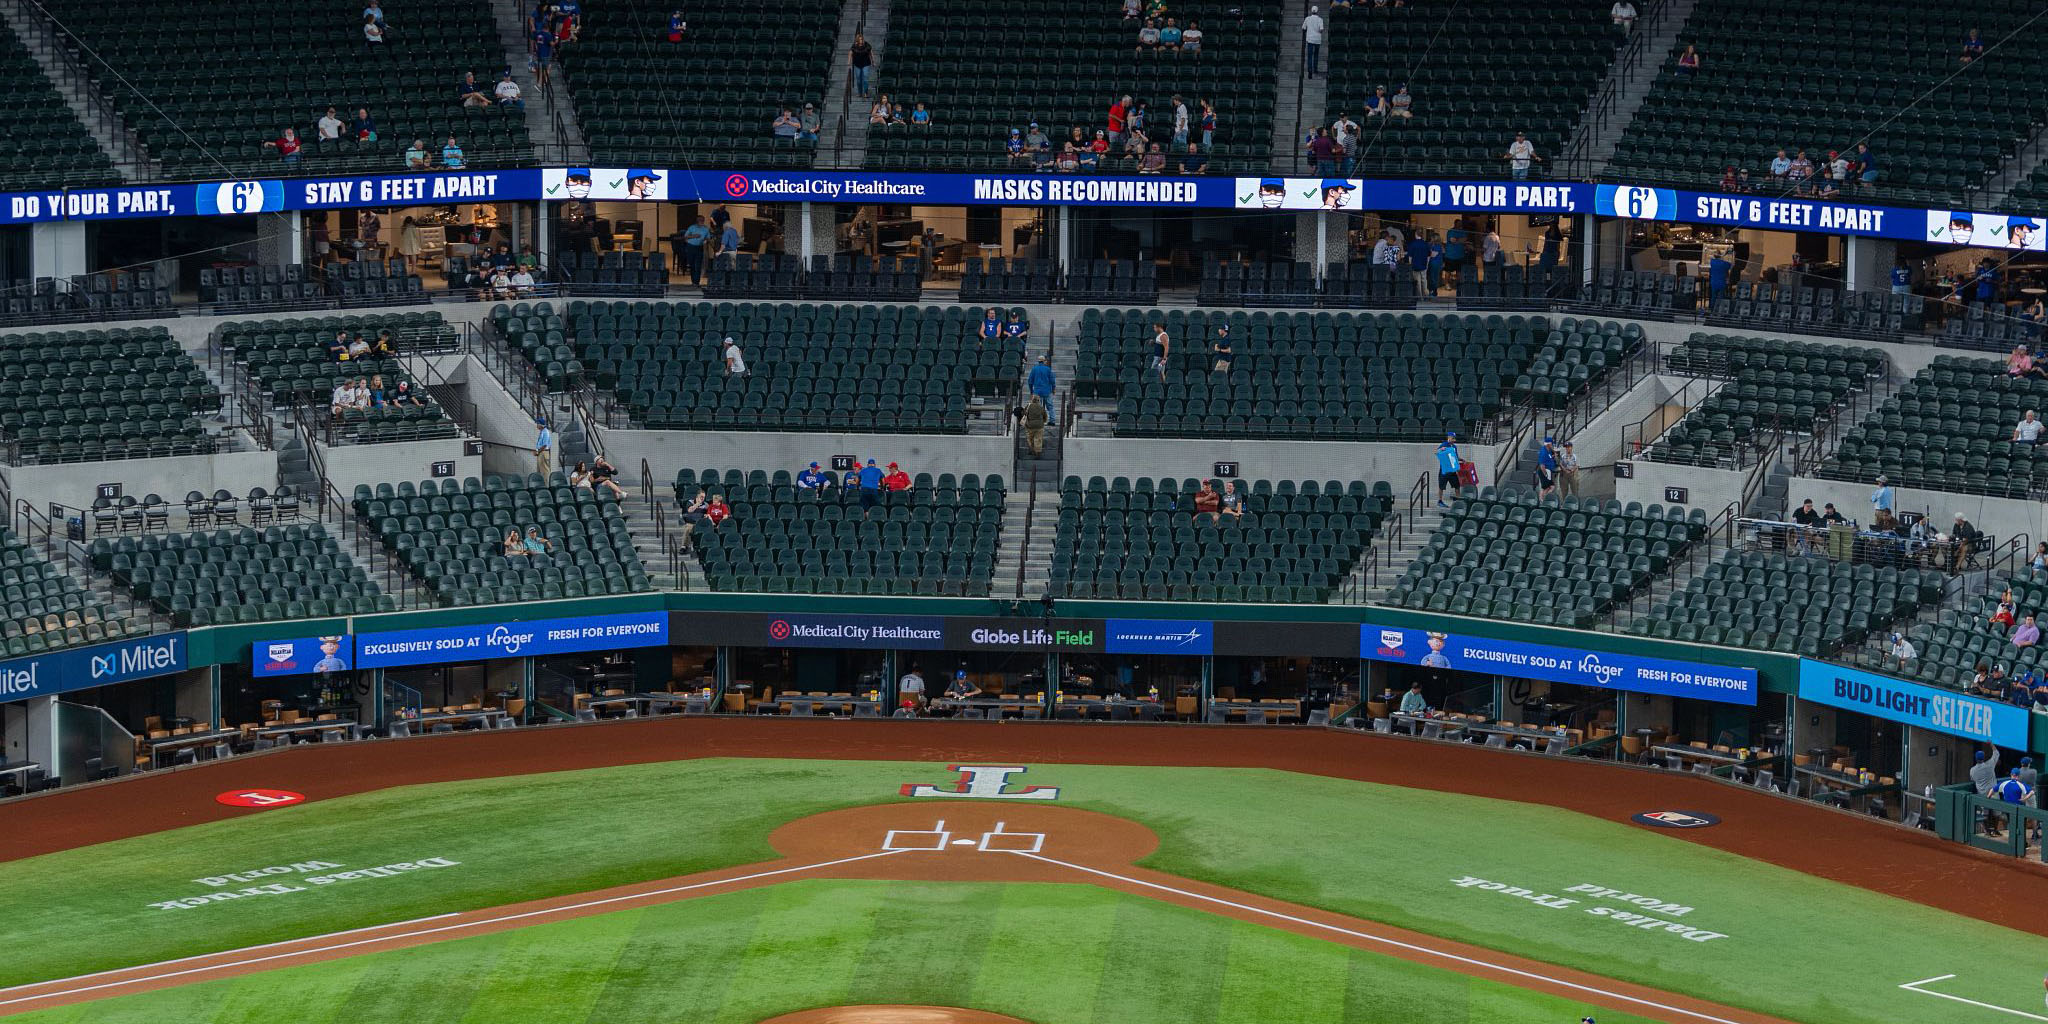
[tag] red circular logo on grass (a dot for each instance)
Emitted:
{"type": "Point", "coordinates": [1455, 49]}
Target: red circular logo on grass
{"type": "Point", "coordinates": [778, 630]}
{"type": "Point", "coordinates": [260, 798]}
{"type": "Point", "coordinates": [736, 185]}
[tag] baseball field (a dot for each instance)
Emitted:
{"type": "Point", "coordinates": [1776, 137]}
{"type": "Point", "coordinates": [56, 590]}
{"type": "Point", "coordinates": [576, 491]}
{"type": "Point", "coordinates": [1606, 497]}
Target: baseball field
{"type": "Point", "coordinates": [685, 887]}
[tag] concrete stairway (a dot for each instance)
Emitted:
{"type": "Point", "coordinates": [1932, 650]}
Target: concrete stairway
{"type": "Point", "coordinates": [550, 119]}
{"type": "Point", "coordinates": [40, 36]}
{"type": "Point", "coordinates": [843, 141]}
{"type": "Point", "coordinates": [1393, 557]}
{"type": "Point", "coordinates": [1300, 102]}
{"type": "Point", "coordinates": [1621, 93]}
{"type": "Point", "coordinates": [649, 545]}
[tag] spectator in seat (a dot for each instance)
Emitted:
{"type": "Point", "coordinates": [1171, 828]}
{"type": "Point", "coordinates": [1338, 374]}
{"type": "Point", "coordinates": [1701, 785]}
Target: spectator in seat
{"type": "Point", "coordinates": [1521, 153]}
{"type": "Point", "coordinates": [1042, 160]}
{"type": "Point", "coordinates": [1729, 182]}
{"type": "Point", "coordinates": [2027, 430]}
{"type": "Point", "coordinates": [1689, 61]}
{"type": "Point", "coordinates": [1068, 160]}
{"type": "Point", "coordinates": [1148, 37]}
{"type": "Point", "coordinates": [807, 124]}
{"type": "Point", "coordinates": [330, 126]}
{"type": "Point", "coordinates": [287, 145]}
{"type": "Point", "coordinates": [374, 10]}
{"type": "Point", "coordinates": [1015, 327]}
{"type": "Point", "coordinates": [1131, 9]}
{"type": "Point", "coordinates": [522, 282]}
{"type": "Point", "coordinates": [1966, 537]}
{"type": "Point", "coordinates": [384, 347]}
{"type": "Point", "coordinates": [879, 113]}
{"type": "Point", "coordinates": [1154, 161]}
{"type": "Point", "coordinates": [920, 117]}
{"type": "Point", "coordinates": [501, 283]}
{"type": "Point", "coordinates": [1401, 104]}
{"type": "Point", "coordinates": [604, 475]}
{"type": "Point", "coordinates": [678, 26]}
{"type": "Point", "coordinates": [2039, 563]}
{"type": "Point", "coordinates": [513, 546]}
{"type": "Point", "coordinates": [373, 32]}
{"type": "Point", "coordinates": [895, 479]}
{"type": "Point", "coordinates": [1191, 39]}
{"type": "Point", "coordinates": [1169, 36]}
{"type": "Point", "coordinates": [507, 93]}
{"type": "Point", "coordinates": [1902, 650]}
{"type": "Point", "coordinates": [1232, 502]}
{"type": "Point", "coordinates": [961, 688]}
{"type": "Point", "coordinates": [341, 400]}
{"type": "Point", "coordinates": [364, 128]}
{"type": "Point", "coordinates": [580, 475]}
{"type": "Point", "coordinates": [1193, 162]}
{"type": "Point", "coordinates": [694, 514]}
{"type": "Point", "coordinates": [1624, 14]}
{"type": "Point", "coordinates": [416, 158]}
{"type": "Point", "coordinates": [1412, 703]}
{"type": "Point", "coordinates": [1014, 146]}
{"type": "Point", "coordinates": [358, 347]}
{"type": "Point", "coordinates": [1973, 46]}
{"type": "Point", "coordinates": [1089, 159]}
{"type": "Point", "coordinates": [470, 92]}
{"type": "Point", "coordinates": [1208, 503]}
{"type": "Point", "coordinates": [1378, 104]}
{"type": "Point", "coordinates": [2027, 635]}
{"type": "Point", "coordinates": [812, 479]}
{"type": "Point", "coordinates": [1781, 166]}
{"type": "Point", "coordinates": [337, 349]}
{"type": "Point", "coordinates": [405, 398]}
{"type": "Point", "coordinates": [1800, 171]}
{"type": "Point", "coordinates": [451, 155]}
{"type": "Point", "coordinates": [785, 126]}
{"type": "Point", "coordinates": [537, 543]}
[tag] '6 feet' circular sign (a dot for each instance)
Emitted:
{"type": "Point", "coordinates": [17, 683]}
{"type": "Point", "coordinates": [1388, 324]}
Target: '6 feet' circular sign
{"type": "Point", "coordinates": [260, 798]}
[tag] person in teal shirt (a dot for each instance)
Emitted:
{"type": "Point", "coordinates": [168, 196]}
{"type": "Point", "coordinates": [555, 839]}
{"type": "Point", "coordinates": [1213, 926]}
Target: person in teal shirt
{"type": "Point", "coordinates": [1447, 465]}
{"type": "Point", "coordinates": [451, 155]}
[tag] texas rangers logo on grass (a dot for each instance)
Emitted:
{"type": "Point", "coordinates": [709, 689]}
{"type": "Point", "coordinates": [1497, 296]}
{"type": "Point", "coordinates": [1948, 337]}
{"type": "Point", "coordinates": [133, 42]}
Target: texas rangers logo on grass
{"type": "Point", "coordinates": [1676, 819]}
{"type": "Point", "coordinates": [983, 782]}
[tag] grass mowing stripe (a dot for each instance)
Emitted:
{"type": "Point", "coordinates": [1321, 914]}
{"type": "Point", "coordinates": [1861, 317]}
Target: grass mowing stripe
{"type": "Point", "coordinates": [888, 965]}
{"type": "Point", "coordinates": [1250, 985]}
{"type": "Point", "coordinates": [771, 943]}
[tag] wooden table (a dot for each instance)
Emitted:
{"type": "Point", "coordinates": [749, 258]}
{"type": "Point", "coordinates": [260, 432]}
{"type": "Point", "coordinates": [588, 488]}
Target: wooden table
{"type": "Point", "coordinates": [159, 748]}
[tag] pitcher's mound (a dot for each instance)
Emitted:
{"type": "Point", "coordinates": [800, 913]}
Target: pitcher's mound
{"type": "Point", "coordinates": [893, 1015]}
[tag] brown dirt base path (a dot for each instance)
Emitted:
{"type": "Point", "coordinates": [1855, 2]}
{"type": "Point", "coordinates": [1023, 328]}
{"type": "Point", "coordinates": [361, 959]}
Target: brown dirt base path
{"type": "Point", "coordinates": [940, 841]}
{"type": "Point", "coordinates": [1805, 837]}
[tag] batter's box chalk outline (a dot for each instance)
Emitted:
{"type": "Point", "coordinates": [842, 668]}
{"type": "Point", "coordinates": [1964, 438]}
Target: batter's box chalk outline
{"type": "Point", "coordinates": [999, 841]}
{"type": "Point", "coordinates": [938, 841]}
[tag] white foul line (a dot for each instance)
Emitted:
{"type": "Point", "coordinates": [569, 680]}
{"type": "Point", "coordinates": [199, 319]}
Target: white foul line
{"type": "Point", "coordinates": [543, 912]}
{"type": "Point", "coordinates": [1914, 986]}
{"type": "Point", "coordinates": [1387, 941]}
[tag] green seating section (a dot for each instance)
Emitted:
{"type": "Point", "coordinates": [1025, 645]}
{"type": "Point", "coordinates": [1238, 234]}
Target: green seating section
{"type": "Point", "coordinates": [289, 359]}
{"type": "Point", "coordinates": [45, 146]}
{"type": "Point", "coordinates": [1952, 648]}
{"type": "Point", "coordinates": [938, 538]}
{"type": "Point", "coordinates": [1777, 385]}
{"type": "Point", "coordinates": [2030, 196]}
{"type": "Point", "coordinates": [451, 538]}
{"type": "Point", "coordinates": [711, 99]}
{"type": "Point", "coordinates": [85, 396]}
{"type": "Point", "coordinates": [1499, 67]}
{"type": "Point", "coordinates": [240, 575]}
{"type": "Point", "coordinates": [1772, 77]}
{"type": "Point", "coordinates": [205, 86]}
{"type": "Point", "coordinates": [42, 607]}
{"type": "Point", "coordinates": [1811, 606]}
{"type": "Point", "coordinates": [1293, 545]}
{"type": "Point", "coordinates": [1336, 375]}
{"type": "Point", "coordinates": [1509, 555]}
{"type": "Point", "coordinates": [890, 369]}
{"type": "Point", "coordinates": [1062, 63]}
{"type": "Point", "coordinates": [1950, 429]}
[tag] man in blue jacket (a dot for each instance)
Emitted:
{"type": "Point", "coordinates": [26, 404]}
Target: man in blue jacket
{"type": "Point", "coordinates": [870, 487]}
{"type": "Point", "coordinates": [1041, 383]}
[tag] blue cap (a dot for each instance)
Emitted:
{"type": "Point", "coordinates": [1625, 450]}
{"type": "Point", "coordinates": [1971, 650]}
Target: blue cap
{"type": "Point", "coordinates": [1337, 183]}
{"type": "Point", "coordinates": [814, 465]}
{"type": "Point", "coordinates": [2022, 222]}
{"type": "Point", "coordinates": [577, 172]}
{"type": "Point", "coordinates": [1272, 183]}
{"type": "Point", "coordinates": [1959, 217]}
{"type": "Point", "coordinates": [871, 462]}
{"type": "Point", "coordinates": [1452, 434]}
{"type": "Point", "coordinates": [1980, 755]}
{"type": "Point", "coordinates": [649, 175]}
{"type": "Point", "coordinates": [1549, 440]}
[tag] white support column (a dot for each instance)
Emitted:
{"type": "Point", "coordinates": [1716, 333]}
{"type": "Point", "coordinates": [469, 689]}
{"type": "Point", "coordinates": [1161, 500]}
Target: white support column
{"type": "Point", "coordinates": [1066, 233]}
{"type": "Point", "coordinates": [1867, 263]}
{"type": "Point", "coordinates": [804, 236]}
{"type": "Point", "coordinates": [1322, 245]}
{"type": "Point", "coordinates": [1589, 247]}
{"type": "Point", "coordinates": [42, 734]}
{"type": "Point", "coordinates": [57, 248]}
{"type": "Point", "coordinates": [544, 233]}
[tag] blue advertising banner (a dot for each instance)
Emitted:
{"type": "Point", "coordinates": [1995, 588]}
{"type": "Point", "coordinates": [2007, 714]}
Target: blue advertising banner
{"type": "Point", "coordinates": [1158, 636]}
{"type": "Point", "coordinates": [1558, 664]}
{"type": "Point", "coordinates": [511, 639]}
{"type": "Point", "coordinates": [879, 632]}
{"type": "Point", "coordinates": [1843, 216]}
{"type": "Point", "coordinates": [1923, 707]}
{"type": "Point", "coordinates": [301, 656]}
{"type": "Point", "coordinates": [99, 665]}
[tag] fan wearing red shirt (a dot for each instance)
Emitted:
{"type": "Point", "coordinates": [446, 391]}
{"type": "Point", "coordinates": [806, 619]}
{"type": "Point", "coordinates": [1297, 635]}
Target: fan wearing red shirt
{"type": "Point", "coordinates": [896, 479]}
{"type": "Point", "coordinates": [1118, 119]}
{"type": "Point", "coordinates": [287, 146]}
{"type": "Point", "coordinates": [718, 511]}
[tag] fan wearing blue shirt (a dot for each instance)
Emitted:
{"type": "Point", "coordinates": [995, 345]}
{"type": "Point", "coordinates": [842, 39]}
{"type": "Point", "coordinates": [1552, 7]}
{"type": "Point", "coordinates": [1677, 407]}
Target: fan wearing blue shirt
{"type": "Point", "coordinates": [451, 155]}
{"type": "Point", "coordinates": [1418, 261]}
{"type": "Point", "coordinates": [991, 325]}
{"type": "Point", "coordinates": [870, 487]}
{"type": "Point", "coordinates": [1447, 465]}
{"type": "Point", "coordinates": [813, 480]}
{"type": "Point", "coordinates": [1015, 327]}
{"type": "Point", "coordinates": [1546, 467]}
{"type": "Point", "coordinates": [1040, 383]}
{"type": "Point", "coordinates": [1902, 279]}
{"type": "Point", "coordinates": [1717, 275]}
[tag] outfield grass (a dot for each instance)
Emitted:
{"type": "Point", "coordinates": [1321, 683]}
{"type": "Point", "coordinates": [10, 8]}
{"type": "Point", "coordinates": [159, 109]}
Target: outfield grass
{"type": "Point", "coordinates": [1050, 954]}
{"type": "Point", "coordinates": [1797, 947]}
